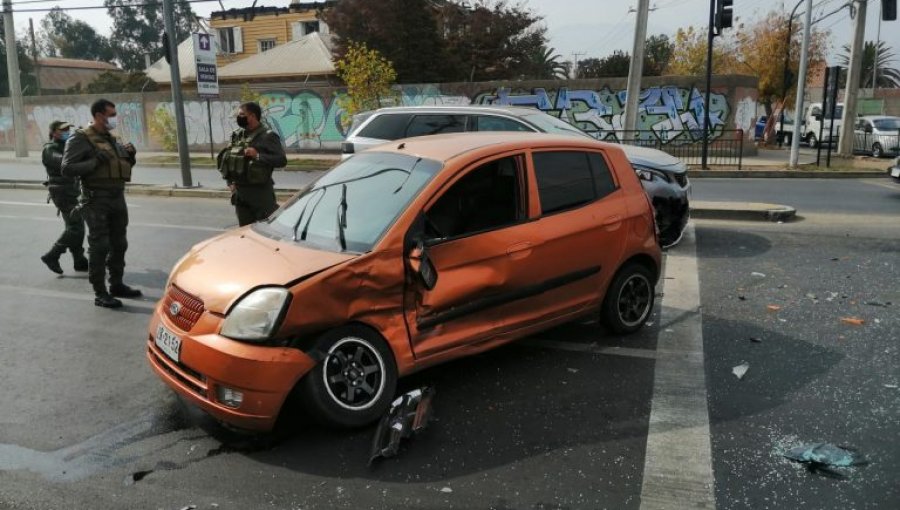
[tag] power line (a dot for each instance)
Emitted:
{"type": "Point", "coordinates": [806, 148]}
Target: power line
{"type": "Point", "coordinates": [155, 3]}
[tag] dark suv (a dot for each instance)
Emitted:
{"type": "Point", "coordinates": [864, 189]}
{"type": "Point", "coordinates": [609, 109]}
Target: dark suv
{"type": "Point", "coordinates": [663, 176]}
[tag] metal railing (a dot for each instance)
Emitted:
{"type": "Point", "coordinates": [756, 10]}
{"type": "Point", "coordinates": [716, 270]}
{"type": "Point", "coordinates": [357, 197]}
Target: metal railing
{"type": "Point", "coordinates": [726, 146]}
{"type": "Point", "coordinates": [866, 142]}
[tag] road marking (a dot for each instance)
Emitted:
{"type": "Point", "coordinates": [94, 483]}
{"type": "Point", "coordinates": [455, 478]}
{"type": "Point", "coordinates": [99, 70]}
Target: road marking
{"type": "Point", "coordinates": [130, 224]}
{"type": "Point", "coordinates": [79, 296]}
{"type": "Point", "coordinates": [678, 461]}
{"type": "Point", "coordinates": [889, 185]}
{"type": "Point", "coordinates": [592, 348]}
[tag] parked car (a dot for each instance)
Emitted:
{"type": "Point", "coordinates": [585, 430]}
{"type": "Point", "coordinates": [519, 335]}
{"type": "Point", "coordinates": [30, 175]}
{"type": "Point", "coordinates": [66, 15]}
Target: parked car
{"type": "Point", "coordinates": [664, 177]}
{"type": "Point", "coordinates": [878, 135]}
{"type": "Point", "coordinates": [402, 257]}
{"type": "Point", "coordinates": [894, 171]}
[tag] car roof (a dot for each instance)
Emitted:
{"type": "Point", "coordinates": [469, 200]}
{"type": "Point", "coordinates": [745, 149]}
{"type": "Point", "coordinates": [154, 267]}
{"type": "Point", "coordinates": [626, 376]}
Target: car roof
{"type": "Point", "coordinates": [446, 147]}
{"type": "Point", "coordinates": [516, 111]}
{"type": "Point", "coordinates": [879, 117]}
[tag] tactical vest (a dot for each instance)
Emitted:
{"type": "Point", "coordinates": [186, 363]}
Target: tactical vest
{"type": "Point", "coordinates": [234, 167]}
{"type": "Point", "coordinates": [111, 173]}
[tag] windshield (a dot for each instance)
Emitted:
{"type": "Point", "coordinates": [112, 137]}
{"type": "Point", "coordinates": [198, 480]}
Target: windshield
{"type": "Point", "coordinates": [887, 124]}
{"type": "Point", "coordinates": [550, 124]}
{"type": "Point", "coordinates": [351, 207]}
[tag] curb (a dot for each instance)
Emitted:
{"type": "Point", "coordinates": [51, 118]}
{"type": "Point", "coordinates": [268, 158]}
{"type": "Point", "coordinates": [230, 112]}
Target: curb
{"type": "Point", "coordinates": [743, 211]}
{"type": "Point", "coordinates": [785, 174]}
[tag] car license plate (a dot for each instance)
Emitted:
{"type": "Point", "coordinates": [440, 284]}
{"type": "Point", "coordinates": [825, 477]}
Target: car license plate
{"type": "Point", "coordinates": [895, 172]}
{"type": "Point", "coordinates": [168, 342]}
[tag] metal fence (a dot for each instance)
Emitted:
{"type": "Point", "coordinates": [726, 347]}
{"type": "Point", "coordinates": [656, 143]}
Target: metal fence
{"type": "Point", "coordinates": [726, 146]}
{"type": "Point", "coordinates": [877, 143]}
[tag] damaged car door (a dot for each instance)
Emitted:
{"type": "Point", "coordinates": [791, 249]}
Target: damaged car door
{"type": "Point", "coordinates": [471, 257]}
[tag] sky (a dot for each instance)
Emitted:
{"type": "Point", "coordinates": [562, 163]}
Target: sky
{"type": "Point", "coordinates": [588, 28]}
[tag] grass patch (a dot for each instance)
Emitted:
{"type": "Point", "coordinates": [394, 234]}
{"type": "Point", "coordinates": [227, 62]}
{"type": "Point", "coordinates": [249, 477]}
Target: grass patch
{"type": "Point", "coordinates": [294, 165]}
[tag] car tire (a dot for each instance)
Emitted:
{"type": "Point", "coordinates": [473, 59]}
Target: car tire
{"type": "Point", "coordinates": [629, 299]}
{"type": "Point", "coordinates": [354, 383]}
{"type": "Point", "coordinates": [877, 151]}
{"type": "Point", "coordinates": [812, 141]}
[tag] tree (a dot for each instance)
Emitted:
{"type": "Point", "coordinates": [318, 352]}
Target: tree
{"type": "Point", "coordinates": [879, 57]}
{"type": "Point", "coordinates": [657, 53]}
{"type": "Point", "coordinates": [138, 28]}
{"type": "Point", "coordinates": [26, 68]}
{"type": "Point", "coordinates": [63, 36]}
{"type": "Point", "coordinates": [759, 50]}
{"type": "Point", "coordinates": [430, 41]}
{"type": "Point", "coordinates": [368, 76]}
{"type": "Point", "coordinates": [544, 64]}
{"type": "Point", "coordinates": [489, 40]}
{"type": "Point", "coordinates": [610, 66]}
{"type": "Point", "coordinates": [403, 31]}
{"type": "Point", "coordinates": [689, 54]}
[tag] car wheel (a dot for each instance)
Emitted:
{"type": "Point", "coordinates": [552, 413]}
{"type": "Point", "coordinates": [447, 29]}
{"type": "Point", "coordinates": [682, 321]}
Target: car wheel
{"type": "Point", "coordinates": [877, 152]}
{"type": "Point", "coordinates": [812, 141]}
{"type": "Point", "coordinates": [629, 299]}
{"type": "Point", "coordinates": [354, 383]}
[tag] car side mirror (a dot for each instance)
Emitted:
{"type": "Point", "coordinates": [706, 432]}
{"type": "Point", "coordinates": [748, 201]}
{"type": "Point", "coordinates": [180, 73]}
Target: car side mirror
{"type": "Point", "coordinates": [868, 129]}
{"type": "Point", "coordinates": [422, 266]}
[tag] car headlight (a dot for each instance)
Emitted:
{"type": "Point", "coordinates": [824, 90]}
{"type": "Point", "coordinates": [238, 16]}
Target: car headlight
{"type": "Point", "coordinates": [256, 316]}
{"type": "Point", "coordinates": [648, 174]}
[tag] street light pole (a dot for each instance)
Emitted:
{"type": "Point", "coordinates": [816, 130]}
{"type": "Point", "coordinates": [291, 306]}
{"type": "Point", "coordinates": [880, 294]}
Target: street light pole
{"type": "Point", "coordinates": [801, 86]}
{"type": "Point", "coordinates": [177, 103]}
{"type": "Point", "coordinates": [851, 92]}
{"type": "Point", "coordinates": [787, 80]}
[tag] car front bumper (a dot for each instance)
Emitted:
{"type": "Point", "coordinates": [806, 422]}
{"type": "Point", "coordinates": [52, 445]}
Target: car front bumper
{"type": "Point", "coordinates": [264, 375]}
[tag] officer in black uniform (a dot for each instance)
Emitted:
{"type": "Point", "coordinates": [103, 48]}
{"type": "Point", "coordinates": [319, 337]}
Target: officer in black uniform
{"type": "Point", "coordinates": [104, 166]}
{"type": "Point", "coordinates": [64, 192]}
{"type": "Point", "coordinates": [247, 165]}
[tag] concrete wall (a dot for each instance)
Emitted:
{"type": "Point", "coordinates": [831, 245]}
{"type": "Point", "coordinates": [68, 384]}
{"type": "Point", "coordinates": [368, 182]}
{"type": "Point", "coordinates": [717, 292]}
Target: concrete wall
{"type": "Point", "coordinates": [310, 118]}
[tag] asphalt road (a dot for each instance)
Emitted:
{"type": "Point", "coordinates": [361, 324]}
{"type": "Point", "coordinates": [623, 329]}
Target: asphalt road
{"type": "Point", "coordinates": [572, 418]}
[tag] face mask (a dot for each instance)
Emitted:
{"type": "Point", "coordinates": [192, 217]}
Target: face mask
{"type": "Point", "coordinates": [111, 123]}
{"type": "Point", "coordinates": [242, 121]}
{"type": "Point", "coordinates": [65, 135]}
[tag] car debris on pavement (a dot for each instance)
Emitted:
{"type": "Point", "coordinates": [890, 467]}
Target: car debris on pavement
{"type": "Point", "coordinates": [822, 457]}
{"type": "Point", "coordinates": [409, 414]}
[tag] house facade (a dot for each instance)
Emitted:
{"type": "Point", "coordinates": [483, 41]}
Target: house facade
{"type": "Point", "coordinates": [243, 33]}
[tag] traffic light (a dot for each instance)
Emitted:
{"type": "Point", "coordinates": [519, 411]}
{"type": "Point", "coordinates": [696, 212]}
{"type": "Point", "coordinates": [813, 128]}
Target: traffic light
{"type": "Point", "coordinates": [725, 14]}
{"type": "Point", "coordinates": [889, 10]}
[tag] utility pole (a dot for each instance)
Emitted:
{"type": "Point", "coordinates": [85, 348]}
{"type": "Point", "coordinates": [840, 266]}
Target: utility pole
{"type": "Point", "coordinates": [801, 86]}
{"type": "Point", "coordinates": [575, 55]}
{"type": "Point", "coordinates": [636, 70]}
{"type": "Point", "coordinates": [34, 57]}
{"type": "Point", "coordinates": [15, 86]}
{"type": "Point", "coordinates": [184, 156]}
{"type": "Point", "coordinates": [851, 93]}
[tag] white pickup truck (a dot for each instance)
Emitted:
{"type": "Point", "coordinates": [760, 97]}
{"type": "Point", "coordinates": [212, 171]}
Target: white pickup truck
{"type": "Point", "coordinates": [815, 120]}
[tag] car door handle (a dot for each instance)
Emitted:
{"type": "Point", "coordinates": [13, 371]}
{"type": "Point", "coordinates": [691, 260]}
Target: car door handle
{"type": "Point", "coordinates": [519, 250]}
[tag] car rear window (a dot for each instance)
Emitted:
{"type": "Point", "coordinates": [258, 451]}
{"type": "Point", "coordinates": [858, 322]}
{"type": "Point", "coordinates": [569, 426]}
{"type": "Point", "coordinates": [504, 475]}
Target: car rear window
{"type": "Point", "coordinates": [492, 123]}
{"type": "Point", "coordinates": [422, 125]}
{"type": "Point", "coordinates": [388, 126]}
{"type": "Point", "coordinates": [603, 179]}
{"type": "Point", "coordinates": [564, 180]}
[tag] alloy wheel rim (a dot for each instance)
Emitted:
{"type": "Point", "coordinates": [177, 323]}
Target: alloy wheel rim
{"type": "Point", "coordinates": [634, 300]}
{"type": "Point", "coordinates": [354, 374]}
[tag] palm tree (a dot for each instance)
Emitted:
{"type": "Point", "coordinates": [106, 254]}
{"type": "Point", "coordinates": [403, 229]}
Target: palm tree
{"type": "Point", "coordinates": [879, 55]}
{"type": "Point", "coordinates": [545, 65]}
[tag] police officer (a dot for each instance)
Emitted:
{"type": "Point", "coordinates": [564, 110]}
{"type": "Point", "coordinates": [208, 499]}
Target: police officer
{"type": "Point", "coordinates": [247, 165]}
{"type": "Point", "coordinates": [104, 166]}
{"type": "Point", "coordinates": [64, 193]}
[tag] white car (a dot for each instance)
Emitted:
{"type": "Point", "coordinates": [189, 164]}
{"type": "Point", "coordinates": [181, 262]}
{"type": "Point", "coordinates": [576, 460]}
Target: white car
{"type": "Point", "coordinates": [878, 135]}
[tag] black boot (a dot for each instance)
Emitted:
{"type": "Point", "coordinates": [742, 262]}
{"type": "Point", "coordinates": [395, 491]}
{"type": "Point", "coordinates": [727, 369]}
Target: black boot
{"type": "Point", "coordinates": [51, 258]}
{"type": "Point", "coordinates": [102, 297]}
{"type": "Point", "coordinates": [80, 261]}
{"type": "Point", "coordinates": [119, 289]}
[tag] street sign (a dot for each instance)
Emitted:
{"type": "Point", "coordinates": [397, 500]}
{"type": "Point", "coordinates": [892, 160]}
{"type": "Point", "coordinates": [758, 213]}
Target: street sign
{"type": "Point", "coordinates": [205, 60]}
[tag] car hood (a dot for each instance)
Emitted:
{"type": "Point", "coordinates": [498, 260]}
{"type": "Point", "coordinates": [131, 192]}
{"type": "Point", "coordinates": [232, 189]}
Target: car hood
{"type": "Point", "coordinates": [654, 158]}
{"type": "Point", "coordinates": [224, 268]}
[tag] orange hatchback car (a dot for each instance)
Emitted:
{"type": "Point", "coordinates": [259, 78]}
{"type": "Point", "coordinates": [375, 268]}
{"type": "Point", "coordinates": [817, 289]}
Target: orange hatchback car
{"type": "Point", "coordinates": [401, 257]}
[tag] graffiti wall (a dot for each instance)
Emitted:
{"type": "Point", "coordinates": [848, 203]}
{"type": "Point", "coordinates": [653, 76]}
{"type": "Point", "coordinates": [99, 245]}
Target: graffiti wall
{"type": "Point", "coordinates": [671, 109]}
